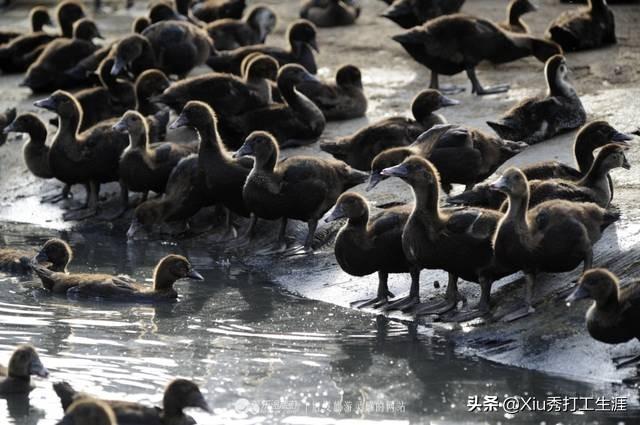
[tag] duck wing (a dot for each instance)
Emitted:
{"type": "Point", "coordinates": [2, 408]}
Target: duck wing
{"type": "Point", "coordinates": [105, 286]}
{"type": "Point", "coordinates": [551, 170]}
{"type": "Point", "coordinates": [475, 223]}
{"type": "Point", "coordinates": [547, 190]}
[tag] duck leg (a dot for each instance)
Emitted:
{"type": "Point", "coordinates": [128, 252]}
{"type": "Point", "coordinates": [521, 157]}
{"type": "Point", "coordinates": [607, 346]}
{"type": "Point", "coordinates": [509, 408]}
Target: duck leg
{"type": "Point", "coordinates": [528, 300]}
{"type": "Point", "coordinates": [449, 303]}
{"type": "Point", "coordinates": [381, 298]}
{"type": "Point", "coordinates": [445, 88]}
{"type": "Point", "coordinates": [624, 361]}
{"type": "Point", "coordinates": [54, 199]}
{"type": "Point", "coordinates": [477, 87]}
{"type": "Point", "coordinates": [307, 248]}
{"type": "Point", "coordinates": [229, 227]}
{"type": "Point", "coordinates": [124, 203]}
{"type": "Point", "coordinates": [281, 244]}
{"type": "Point", "coordinates": [412, 299]}
{"type": "Point", "coordinates": [92, 204]}
{"type": "Point", "coordinates": [480, 309]}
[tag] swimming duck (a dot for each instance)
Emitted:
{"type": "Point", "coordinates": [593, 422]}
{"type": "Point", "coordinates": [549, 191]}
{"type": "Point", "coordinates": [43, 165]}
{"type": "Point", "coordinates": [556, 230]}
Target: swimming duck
{"type": "Point", "coordinates": [614, 314]}
{"type": "Point", "coordinates": [302, 41]}
{"type": "Point", "coordinates": [340, 101]}
{"type": "Point", "coordinates": [515, 10]}
{"type": "Point", "coordinates": [461, 155]}
{"type": "Point", "coordinates": [454, 43]}
{"type": "Point", "coordinates": [150, 83]}
{"type": "Point", "coordinates": [590, 137]}
{"type": "Point", "coordinates": [48, 71]}
{"type": "Point", "coordinates": [359, 149]}
{"type": "Point", "coordinates": [411, 13]}
{"type": "Point", "coordinates": [35, 151]}
{"type": "Point", "coordinates": [89, 411]}
{"type": "Point", "coordinates": [139, 24]}
{"type": "Point", "coordinates": [366, 245]}
{"type": "Point", "coordinates": [295, 122]}
{"type": "Point", "coordinates": [24, 362]}
{"type": "Point", "coordinates": [330, 13]}
{"type": "Point", "coordinates": [229, 34]}
{"type": "Point", "coordinates": [300, 187]}
{"type": "Point", "coordinates": [38, 17]}
{"type": "Point", "coordinates": [584, 28]}
{"type": "Point", "coordinates": [539, 118]}
{"type": "Point", "coordinates": [178, 395]}
{"type": "Point", "coordinates": [90, 157]}
{"type": "Point", "coordinates": [145, 167]}
{"type": "Point", "coordinates": [55, 254]}
{"type": "Point", "coordinates": [211, 10]}
{"type": "Point", "coordinates": [5, 119]}
{"type": "Point", "coordinates": [528, 239]}
{"type": "Point", "coordinates": [458, 241]}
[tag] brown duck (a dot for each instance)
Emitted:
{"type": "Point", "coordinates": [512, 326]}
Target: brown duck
{"type": "Point", "coordinates": [16, 379]}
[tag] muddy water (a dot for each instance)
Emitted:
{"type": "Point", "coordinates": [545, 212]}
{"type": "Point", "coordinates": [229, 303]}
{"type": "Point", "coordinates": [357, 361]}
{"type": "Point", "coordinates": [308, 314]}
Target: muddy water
{"type": "Point", "coordinates": [260, 354]}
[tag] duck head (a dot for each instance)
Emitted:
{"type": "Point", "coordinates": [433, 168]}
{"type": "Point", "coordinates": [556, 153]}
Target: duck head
{"type": "Point", "coordinates": [292, 74]}
{"type": "Point", "coordinates": [25, 362]}
{"type": "Point", "coordinates": [517, 8]}
{"type": "Point", "coordinates": [171, 268]}
{"type": "Point", "coordinates": [127, 50]}
{"type": "Point", "coordinates": [302, 33]}
{"type": "Point", "coordinates": [429, 101]}
{"type": "Point", "coordinates": [349, 205]}
{"type": "Point", "coordinates": [600, 285]}
{"type": "Point", "coordinates": [263, 20]}
{"type": "Point", "coordinates": [162, 11]}
{"type": "Point", "coordinates": [543, 49]}
{"type": "Point", "coordinates": [151, 82]}
{"type": "Point", "coordinates": [349, 76]}
{"type": "Point", "coordinates": [140, 24]}
{"type": "Point", "coordinates": [67, 13]}
{"type": "Point", "coordinates": [56, 253]}
{"type": "Point", "coordinates": [182, 393]}
{"type": "Point", "coordinates": [39, 17]}
{"type": "Point", "coordinates": [262, 146]}
{"type": "Point", "coordinates": [86, 29]}
{"type": "Point", "coordinates": [61, 102]}
{"type": "Point", "coordinates": [612, 156]}
{"type": "Point", "coordinates": [89, 411]}
{"type": "Point", "coordinates": [386, 159]}
{"type": "Point", "coordinates": [135, 124]}
{"type": "Point", "coordinates": [599, 133]}
{"type": "Point", "coordinates": [513, 182]}
{"type": "Point", "coordinates": [260, 66]}
{"type": "Point", "coordinates": [145, 217]}
{"type": "Point", "coordinates": [557, 75]}
{"type": "Point", "coordinates": [28, 123]}
{"type": "Point", "coordinates": [415, 171]}
{"type": "Point", "coordinates": [195, 114]}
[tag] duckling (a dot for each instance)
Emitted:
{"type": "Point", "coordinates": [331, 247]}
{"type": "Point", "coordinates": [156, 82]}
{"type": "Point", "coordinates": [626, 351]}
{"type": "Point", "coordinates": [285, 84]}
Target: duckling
{"type": "Point", "coordinates": [590, 137]}
{"type": "Point", "coordinates": [89, 411]}
{"type": "Point", "coordinates": [48, 71]}
{"type": "Point", "coordinates": [211, 10]}
{"type": "Point", "coordinates": [162, 11]}
{"type": "Point", "coordinates": [229, 34]}
{"type": "Point", "coordinates": [614, 314]}
{"type": "Point", "coordinates": [297, 121]}
{"type": "Point", "coordinates": [67, 13]}
{"type": "Point", "coordinates": [340, 101]}
{"type": "Point", "coordinates": [145, 167]}
{"type": "Point", "coordinates": [330, 13]}
{"type": "Point", "coordinates": [299, 188]}
{"type": "Point", "coordinates": [584, 28]}
{"type": "Point", "coordinates": [411, 13]}
{"type": "Point", "coordinates": [359, 149]}
{"type": "Point", "coordinates": [515, 10]}
{"type": "Point", "coordinates": [139, 24]}
{"type": "Point", "coordinates": [90, 157]}
{"type": "Point", "coordinates": [55, 254]}
{"type": "Point", "coordinates": [461, 155]}
{"type": "Point", "coordinates": [527, 239]}
{"type": "Point", "coordinates": [454, 43]}
{"type": "Point", "coordinates": [302, 41]}
{"type": "Point", "coordinates": [8, 116]}
{"type": "Point", "coordinates": [38, 17]}
{"type": "Point", "coordinates": [24, 362]}
{"type": "Point", "coordinates": [35, 151]}
{"type": "Point", "coordinates": [367, 245]}
{"type": "Point", "coordinates": [539, 118]}
{"type": "Point", "coordinates": [458, 241]}
{"type": "Point", "coordinates": [150, 83]}
{"type": "Point", "coordinates": [178, 395]}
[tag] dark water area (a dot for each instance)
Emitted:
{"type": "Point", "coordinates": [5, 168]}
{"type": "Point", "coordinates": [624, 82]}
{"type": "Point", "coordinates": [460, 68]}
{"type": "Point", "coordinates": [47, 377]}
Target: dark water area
{"type": "Point", "coordinates": [260, 354]}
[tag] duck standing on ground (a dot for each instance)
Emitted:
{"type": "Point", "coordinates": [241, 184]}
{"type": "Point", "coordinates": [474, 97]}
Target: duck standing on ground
{"type": "Point", "coordinates": [229, 34]}
{"type": "Point", "coordinates": [330, 13]}
{"type": "Point", "coordinates": [584, 28]}
{"type": "Point", "coordinates": [89, 411]}
{"type": "Point", "coordinates": [35, 151]}
{"type": "Point", "coordinates": [55, 254]}
{"type": "Point", "coordinates": [454, 43]}
{"type": "Point", "coordinates": [38, 17]}
{"type": "Point", "coordinates": [16, 378]}
{"type": "Point", "coordinates": [553, 237]}
{"type": "Point", "coordinates": [366, 245]}
{"type": "Point", "coordinates": [539, 118]}
{"type": "Point", "coordinates": [300, 187]}
{"type": "Point", "coordinates": [411, 13]}
{"type": "Point", "coordinates": [359, 149]}
{"type": "Point", "coordinates": [613, 317]}
{"type": "Point", "coordinates": [212, 10]}
{"type": "Point", "coordinates": [515, 10]}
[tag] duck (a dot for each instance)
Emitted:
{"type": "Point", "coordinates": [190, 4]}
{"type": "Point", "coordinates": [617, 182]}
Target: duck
{"type": "Point", "coordinates": [359, 149]}
{"type": "Point", "coordinates": [89, 411]}
{"type": "Point", "coordinates": [295, 122]}
{"type": "Point", "coordinates": [6, 118]}
{"type": "Point", "coordinates": [150, 83]}
{"type": "Point", "coordinates": [299, 188]}
{"type": "Point", "coordinates": [342, 100]}
{"type": "Point", "coordinates": [584, 28]}
{"type": "Point", "coordinates": [35, 151]}
{"type": "Point", "coordinates": [411, 13]}
{"type": "Point", "coordinates": [461, 155]}
{"type": "Point", "coordinates": [615, 311]}
{"type": "Point", "coordinates": [174, 47]}
{"type": "Point", "coordinates": [515, 10]}
{"type": "Point", "coordinates": [68, 13]}
{"type": "Point", "coordinates": [178, 395]}
{"type": "Point", "coordinates": [527, 238]}
{"type": "Point", "coordinates": [458, 241]}
{"type": "Point", "coordinates": [590, 137]}
{"type": "Point", "coordinates": [144, 167]}
{"type": "Point", "coordinates": [302, 42]}
{"type": "Point", "coordinates": [90, 157]}
{"type": "Point", "coordinates": [140, 24]}
{"type": "Point", "coordinates": [48, 71]}
{"type": "Point", "coordinates": [539, 118]}
{"type": "Point", "coordinates": [38, 17]}
{"type": "Point", "coordinates": [229, 34]}
{"type": "Point", "coordinates": [212, 10]}
{"type": "Point", "coordinates": [454, 43]}
{"type": "Point", "coordinates": [55, 254]}
{"type": "Point", "coordinates": [164, 11]}
{"type": "Point", "coordinates": [24, 362]}
{"type": "Point", "coordinates": [371, 244]}
{"type": "Point", "coordinates": [331, 13]}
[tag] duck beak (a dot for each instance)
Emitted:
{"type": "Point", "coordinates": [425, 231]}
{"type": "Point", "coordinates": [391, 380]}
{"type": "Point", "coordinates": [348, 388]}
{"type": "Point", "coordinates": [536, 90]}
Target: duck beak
{"type": "Point", "coordinates": [531, 7]}
{"type": "Point", "coordinates": [37, 368]}
{"type": "Point", "coordinates": [625, 164]}
{"type": "Point", "coordinates": [8, 129]}
{"type": "Point", "coordinates": [245, 150]}
{"type": "Point", "coordinates": [374, 178]}
{"type": "Point", "coordinates": [579, 294]}
{"type": "Point", "coordinates": [621, 137]}
{"type": "Point", "coordinates": [314, 45]}
{"type": "Point", "coordinates": [41, 258]}
{"type": "Point", "coordinates": [194, 275]}
{"type": "Point", "coordinates": [118, 65]}
{"type": "Point", "coordinates": [197, 400]}
{"type": "Point", "coordinates": [48, 104]}
{"type": "Point", "coordinates": [447, 101]}
{"type": "Point", "coordinates": [99, 36]}
{"type": "Point", "coordinates": [120, 127]}
{"type": "Point", "coordinates": [500, 184]}
{"type": "Point", "coordinates": [400, 171]}
{"type": "Point", "coordinates": [336, 214]}
{"type": "Point", "coordinates": [182, 121]}
{"type": "Point", "coordinates": [310, 77]}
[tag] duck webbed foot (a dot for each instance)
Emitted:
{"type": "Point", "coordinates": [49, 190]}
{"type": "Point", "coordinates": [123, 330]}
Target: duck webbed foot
{"type": "Point", "coordinates": [80, 214]}
{"type": "Point", "coordinates": [624, 361]}
{"type": "Point", "coordinates": [518, 314]}
{"type": "Point", "coordinates": [479, 310]}
{"type": "Point", "coordinates": [307, 248]}
{"type": "Point", "coordinates": [404, 304]}
{"type": "Point", "coordinates": [449, 303]}
{"type": "Point", "coordinates": [54, 199]}
{"type": "Point", "coordinates": [275, 248]}
{"type": "Point", "coordinates": [90, 209]}
{"type": "Point", "coordinates": [381, 298]}
{"type": "Point", "coordinates": [478, 89]}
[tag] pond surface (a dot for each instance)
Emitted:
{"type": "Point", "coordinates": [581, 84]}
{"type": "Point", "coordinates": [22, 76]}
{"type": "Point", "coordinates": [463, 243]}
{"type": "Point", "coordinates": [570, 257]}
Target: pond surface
{"type": "Point", "coordinates": [260, 355]}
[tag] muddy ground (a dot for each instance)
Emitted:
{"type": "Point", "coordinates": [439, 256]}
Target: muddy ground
{"type": "Point", "coordinates": [553, 339]}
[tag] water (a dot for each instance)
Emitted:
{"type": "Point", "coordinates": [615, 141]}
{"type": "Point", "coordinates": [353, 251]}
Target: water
{"type": "Point", "coordinates": [260, 355]}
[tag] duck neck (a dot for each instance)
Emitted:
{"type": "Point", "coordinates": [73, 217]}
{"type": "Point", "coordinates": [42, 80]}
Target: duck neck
{"type": "Point", "coordinates": [262, 86]}
{"type": "Point", "coordinates": [210, 144]}
{"type": "Point", "coordinates": [358, 224]}
{"type": "Point", "coordinates": [517, 210]}
{"type": "Point", "coordinates": [427, 196]}
{"type": "Point", "coordinates": [139, 139]}
{"type": "Point", "coordinates": [70, 123]}
{"type": "Point", "coordinates": [583, 152]}
{"type": "Point", "coordinates": [597, 172]}
{"type": "Point", "coordinates": [266, 163]}
{"type": "Point", "coordinates": [304, 56]}
{"type": "Point", "coordinates": [307, 111]}
{"type": "Point", "coordinates": [513, 14]}
{"type": "Point", "coordinates": [608, 303]}
{"type": "Point", "coordinates": [37, 134]}
{"type": "Point", "coordinates": [163, 280]}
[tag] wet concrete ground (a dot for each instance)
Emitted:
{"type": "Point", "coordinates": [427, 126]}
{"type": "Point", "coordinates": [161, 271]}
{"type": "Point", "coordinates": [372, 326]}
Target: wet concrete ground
{"type": "Point", "coordinates": [553, 339]}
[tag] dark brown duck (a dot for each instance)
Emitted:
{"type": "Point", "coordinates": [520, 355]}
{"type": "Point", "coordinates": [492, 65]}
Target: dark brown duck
{"type": "Point", "coordinates": [584, 28]}
{"type": "Point", "coordinates": [55, 254]}
{"type": "Point", "coordinates": [150, 83]}
{"type": "Point", "coordinates": [38, 18]}
{"type": "Point", "coordinates": [6, 118]}
{"type": "Point", "coordinates": [515, 10]}
{"type": "Point", "coordinates": [330, 13]}
{"type": "Point", "coordinates": [212, 10]}
{"type": "Point", "coordinates": [411, 13]}
{"type": "Point", "coordinates": [89, 411]}
{"type": "Point", "coordinates": [229, 34]}
{"type": "Point", "coordinates": [16, 378]}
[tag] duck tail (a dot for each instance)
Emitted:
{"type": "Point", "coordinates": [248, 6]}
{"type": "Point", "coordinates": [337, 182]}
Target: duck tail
{"type": "Point", "coordinates": [396, 11]}
{"type": "Point", "coordinates": [480, 196]}
{"type": "Point", "coordinates": [66, 393]}
{"type": "Point", "coordinates": [334, 147]}
{"type": "Point", "coordinates": [503, 130]}
{"type": "Point", "coordinates": [10, 114]}
{"type": "Point", "coordinates": [355, 177]}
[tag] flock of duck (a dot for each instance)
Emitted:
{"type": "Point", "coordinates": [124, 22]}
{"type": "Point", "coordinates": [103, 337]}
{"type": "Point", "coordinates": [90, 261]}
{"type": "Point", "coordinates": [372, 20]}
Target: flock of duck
{"type": "Point", "coordinates": [113, 104]}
